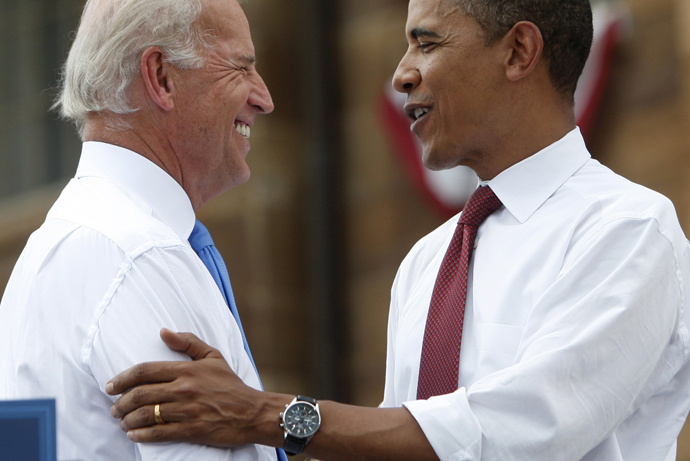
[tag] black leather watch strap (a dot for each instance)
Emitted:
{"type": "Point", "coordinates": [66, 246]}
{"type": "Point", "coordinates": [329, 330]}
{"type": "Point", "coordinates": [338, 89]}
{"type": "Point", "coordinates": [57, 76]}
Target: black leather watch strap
{"type": "Point", "coordinates": [293, 445]}
{"type": "Point", "coordinates": [304, 398]}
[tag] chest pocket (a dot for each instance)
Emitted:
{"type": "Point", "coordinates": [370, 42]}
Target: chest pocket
{"type": "Point", "coordinates": [497, 346]}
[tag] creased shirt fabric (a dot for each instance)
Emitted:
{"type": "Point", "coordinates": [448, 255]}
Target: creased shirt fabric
{"type": "Point", "coordinates": [107, 270]}
{"type": "Point", "coordinates": [575, 341]}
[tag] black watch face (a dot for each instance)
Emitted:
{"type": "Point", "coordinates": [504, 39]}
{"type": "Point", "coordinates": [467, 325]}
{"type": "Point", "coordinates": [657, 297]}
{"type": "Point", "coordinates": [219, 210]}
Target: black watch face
{"type": "Point", "coordinates": [301, 420]}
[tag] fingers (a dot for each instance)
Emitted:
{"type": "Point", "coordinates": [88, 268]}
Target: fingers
{"type": "Point", "coordinates": [149, 372]}
{"type": "Point", "coordinates": [180, 425]}
{"type": "Point", "coordinates": [145, 416]}
{"type": "Point", "coordinates": [186, 429]}
{"type": "Point", "coordinates": [141, 396]}
{"type": "Point", "coordinates": [142, 417]}
{"type": "Point", "coordinates": [158, 372]}
{"type": "Point", "coordinates": [158, 433]}
{"type": "Point", "coordinates": [189, 344]}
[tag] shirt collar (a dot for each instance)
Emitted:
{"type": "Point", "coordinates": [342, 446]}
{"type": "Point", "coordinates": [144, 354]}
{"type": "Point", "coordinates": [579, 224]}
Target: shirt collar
{"type": "Point", "coordinates": [152, 188]}
{"type": "Point", "coordinates": [525, 186]}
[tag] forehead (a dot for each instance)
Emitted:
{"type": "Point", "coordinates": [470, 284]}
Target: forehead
{"type": "Point", "coordinates": [225, 19]}
{"type": "Point", "coordinates": [421, 13]}
{"type": "Point", "coordinates": [227, 23]}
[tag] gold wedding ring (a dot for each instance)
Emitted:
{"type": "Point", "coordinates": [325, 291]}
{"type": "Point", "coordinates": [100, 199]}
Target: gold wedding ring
{"type": "Point", "coordinates": [157, 414]}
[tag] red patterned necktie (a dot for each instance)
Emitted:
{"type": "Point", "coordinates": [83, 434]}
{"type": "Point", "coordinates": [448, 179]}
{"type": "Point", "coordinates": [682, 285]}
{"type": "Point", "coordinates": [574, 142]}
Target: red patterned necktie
{"type": "Point", "coordinates": [438, 370]}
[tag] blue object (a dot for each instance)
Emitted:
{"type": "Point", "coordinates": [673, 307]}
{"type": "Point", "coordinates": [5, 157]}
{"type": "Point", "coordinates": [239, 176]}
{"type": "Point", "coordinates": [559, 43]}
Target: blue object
{"type": "Point", "coordinates": [202, 244]}
{"type": "Point", "coordinates": [28, 430]}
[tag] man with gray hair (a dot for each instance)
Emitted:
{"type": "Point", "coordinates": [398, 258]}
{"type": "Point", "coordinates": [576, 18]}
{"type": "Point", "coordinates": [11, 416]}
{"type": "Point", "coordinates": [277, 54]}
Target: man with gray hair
{"type": "Point", "coordinates": [164, 94]}
{"type": "Point", "coordinates": [549, 321]}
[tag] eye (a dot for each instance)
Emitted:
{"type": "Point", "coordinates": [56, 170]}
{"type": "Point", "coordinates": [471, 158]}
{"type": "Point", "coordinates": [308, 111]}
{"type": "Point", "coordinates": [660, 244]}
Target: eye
{"type": "Point", "coordinates": [426, 46]}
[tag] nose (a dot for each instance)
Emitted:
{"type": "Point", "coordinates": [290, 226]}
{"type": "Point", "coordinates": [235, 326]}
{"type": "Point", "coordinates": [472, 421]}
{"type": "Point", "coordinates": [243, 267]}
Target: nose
{"type": "Point", "coordinates": [260, 98]}
{"type": "Point", "coordinates": [407, 76]}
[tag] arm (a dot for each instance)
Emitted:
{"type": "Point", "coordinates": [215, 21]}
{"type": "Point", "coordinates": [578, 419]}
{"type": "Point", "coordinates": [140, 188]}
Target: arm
{"type": "Point", "coordinates": [593, 342]}
{"type": "Point", "coordinates": [156, 292]}
{"type": "Point", "coordinates": [593, 349]}
{"type": "Point", "coordinates": [205, 402]}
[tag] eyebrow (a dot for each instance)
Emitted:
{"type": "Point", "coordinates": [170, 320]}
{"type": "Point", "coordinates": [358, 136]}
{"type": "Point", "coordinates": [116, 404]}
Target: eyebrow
{"type": "Point", "coordinates": [248, 59]}
{"type": "Point", "coordinates": [418, 32]}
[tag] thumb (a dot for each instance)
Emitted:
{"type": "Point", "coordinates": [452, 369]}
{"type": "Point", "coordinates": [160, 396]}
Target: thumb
{"type": "Point", "coordinates": [189, 344]}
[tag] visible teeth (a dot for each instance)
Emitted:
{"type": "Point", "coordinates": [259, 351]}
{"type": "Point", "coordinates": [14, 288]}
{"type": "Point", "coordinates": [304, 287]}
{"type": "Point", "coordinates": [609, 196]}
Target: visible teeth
{"type": "Point", "coordinates": [420, 111]}
{"type": "Point", "coordinates": [243, 129]}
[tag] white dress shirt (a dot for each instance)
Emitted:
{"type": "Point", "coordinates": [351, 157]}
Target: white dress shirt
{"type": "Point", "coordinates": [107, 270]}
{"type": "Point", "coordinates": [575, 342]}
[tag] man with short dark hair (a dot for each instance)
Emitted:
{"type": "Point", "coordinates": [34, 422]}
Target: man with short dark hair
{"type": "Point", "coordinates": [547, 322]}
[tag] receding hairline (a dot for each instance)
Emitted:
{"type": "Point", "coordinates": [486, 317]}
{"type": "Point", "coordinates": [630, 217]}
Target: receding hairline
{"type": "Point", "coordinates": [208, 21]}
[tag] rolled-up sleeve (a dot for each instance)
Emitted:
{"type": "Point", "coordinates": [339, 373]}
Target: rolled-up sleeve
{"type": "Point", "coordinates": [598, 343]}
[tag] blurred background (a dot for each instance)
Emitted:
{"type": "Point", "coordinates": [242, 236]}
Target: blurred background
{"type": "Point", "coordinates": [314, 239]}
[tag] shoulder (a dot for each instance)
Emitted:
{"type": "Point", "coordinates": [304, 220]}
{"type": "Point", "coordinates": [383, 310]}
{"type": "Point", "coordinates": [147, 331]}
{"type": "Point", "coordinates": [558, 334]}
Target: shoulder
{"type": "Point", "coordinates": [100, 207]}
{"type": "Point", "coordinates": [615, 194]}
{"type": "Point", "coordinates": [611, 201]}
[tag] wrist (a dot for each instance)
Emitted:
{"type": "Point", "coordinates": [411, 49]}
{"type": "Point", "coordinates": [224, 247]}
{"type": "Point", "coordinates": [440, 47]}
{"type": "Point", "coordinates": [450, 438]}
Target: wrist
{"type": "Point", "coordinates": [300, 421]}
{"type": "Point", "coordinates": [268, 430]}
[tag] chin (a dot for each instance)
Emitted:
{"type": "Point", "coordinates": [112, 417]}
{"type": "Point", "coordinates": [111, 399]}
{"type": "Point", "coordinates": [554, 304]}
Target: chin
{"type": "Point", "coordinates": [237, 181]}
{"type": "Point", "coordinates": [436, 162]}
{"type": "Point", "coordinates": [233, 179]}
{"type": "Point", "coordinates": [242, 176]}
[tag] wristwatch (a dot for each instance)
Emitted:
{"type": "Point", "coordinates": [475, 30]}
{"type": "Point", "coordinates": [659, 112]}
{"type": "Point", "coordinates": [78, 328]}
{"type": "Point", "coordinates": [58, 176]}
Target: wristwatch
{"type": "Point", "coordinates": [300, 421]}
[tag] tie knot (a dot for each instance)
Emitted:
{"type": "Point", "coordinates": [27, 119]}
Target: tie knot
{"type": "Point", "coordinates": [482, 203]}
{"type": "Point", "coordinates": [200, 238]}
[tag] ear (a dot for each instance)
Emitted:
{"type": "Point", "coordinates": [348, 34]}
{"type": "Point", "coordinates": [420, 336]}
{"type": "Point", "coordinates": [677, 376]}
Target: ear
{"type": "Point", "coordinates": [157, 78]}
{"type": "Point", "coordinates": [525, 44]}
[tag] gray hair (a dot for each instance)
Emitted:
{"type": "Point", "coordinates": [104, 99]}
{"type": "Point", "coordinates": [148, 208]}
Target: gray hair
{"type": "Point", "coordinates": [104, 58]}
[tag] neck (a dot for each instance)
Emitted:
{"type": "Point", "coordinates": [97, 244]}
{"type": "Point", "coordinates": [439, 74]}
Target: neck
{"type": "Point", "coordinates": [535, 125]}
{"type": "Point", "coordinates": [145, 141]}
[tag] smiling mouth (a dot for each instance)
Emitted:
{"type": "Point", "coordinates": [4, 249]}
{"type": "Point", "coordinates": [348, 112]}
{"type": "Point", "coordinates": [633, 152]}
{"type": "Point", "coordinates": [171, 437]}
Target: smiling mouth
{"type": "Point", "coordinates": [243, 129]}
{"type": "Point", "coordinates": [420, 112]}
{"type": "Point", "coordinates": [417, 113]}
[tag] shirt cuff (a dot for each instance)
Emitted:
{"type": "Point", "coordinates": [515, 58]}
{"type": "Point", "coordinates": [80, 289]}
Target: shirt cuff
{"type": "Point", "coordinates": [450, 426]}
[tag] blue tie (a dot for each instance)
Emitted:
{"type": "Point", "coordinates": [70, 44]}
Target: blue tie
{"type": "Point", "coordinates": [202, 243]}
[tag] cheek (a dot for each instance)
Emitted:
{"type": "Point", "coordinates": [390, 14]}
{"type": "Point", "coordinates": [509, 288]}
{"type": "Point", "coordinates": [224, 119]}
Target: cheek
{"type": "Point", "coordinates": [234, 98]}
{"type": "Point", "coordinates": [466, 101]}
